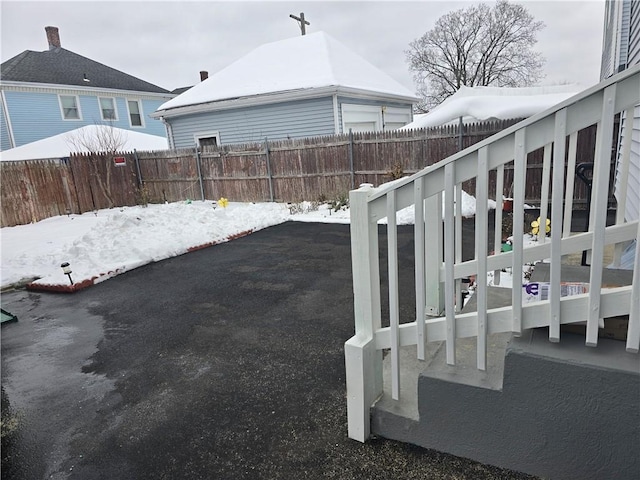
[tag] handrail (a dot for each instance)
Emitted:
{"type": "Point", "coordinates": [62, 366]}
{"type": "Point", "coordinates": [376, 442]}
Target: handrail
{"type": "Point", "coordinates": [439, 268]}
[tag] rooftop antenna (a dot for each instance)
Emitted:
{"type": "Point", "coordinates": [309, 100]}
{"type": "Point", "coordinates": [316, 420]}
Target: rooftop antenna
{"type": "Point", "coordinates": [302, 22]}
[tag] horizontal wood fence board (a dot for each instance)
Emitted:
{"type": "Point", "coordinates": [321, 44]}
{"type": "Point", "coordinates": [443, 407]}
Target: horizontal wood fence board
{"type": "Point", "coordinates": [285, 170]}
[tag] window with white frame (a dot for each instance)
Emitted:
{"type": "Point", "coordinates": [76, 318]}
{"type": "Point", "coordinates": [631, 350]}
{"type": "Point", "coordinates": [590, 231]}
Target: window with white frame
{"type": "Point", "coordinates": [135, 113]}
{"type": "Point", "coordinates": [108, 108]}
{"type": "Point", "coordinates": [207, 139]}
{"type": "Point", "coordinates": [70, 107]}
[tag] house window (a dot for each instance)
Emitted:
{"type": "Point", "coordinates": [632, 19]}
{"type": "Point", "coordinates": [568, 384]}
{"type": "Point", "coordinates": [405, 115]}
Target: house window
{"type": "Point", "coordinates": [207, 139]}
{"type": "Point", "coordinates": [69, 106]}
{"type": "Point", "coordinates": [108, 108]}
{"type": "Point", "coordinates": [135, 113]}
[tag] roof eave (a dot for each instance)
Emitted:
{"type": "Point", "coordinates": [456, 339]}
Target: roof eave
{"type": "Point", "coordinates": [277, 97]}
{"type": "Point", "coordinates": [57, 86]}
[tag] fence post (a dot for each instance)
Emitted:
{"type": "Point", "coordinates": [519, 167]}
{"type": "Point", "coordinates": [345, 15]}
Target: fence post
{"type": "Point", "coordinates": [266, 153]}
{"type": "Point", "coordinates": [362, 360]}
{"type": "Point", "coordinates": [135, 155]}
{"type": "Point", "coordinates": [353, 173]}
{"type": "Point", "coordinates": [199, 172]}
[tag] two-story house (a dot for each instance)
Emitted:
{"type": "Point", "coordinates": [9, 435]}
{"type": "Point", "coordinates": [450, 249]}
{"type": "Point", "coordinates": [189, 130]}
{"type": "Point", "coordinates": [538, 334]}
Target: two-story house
{"type": "Point", "coordinates": [51, 92]}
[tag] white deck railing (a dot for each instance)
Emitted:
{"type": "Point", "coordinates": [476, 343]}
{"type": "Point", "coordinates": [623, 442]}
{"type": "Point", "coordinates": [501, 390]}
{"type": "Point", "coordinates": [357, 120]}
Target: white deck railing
{"type": "Point", "coordinates": [437, 282]}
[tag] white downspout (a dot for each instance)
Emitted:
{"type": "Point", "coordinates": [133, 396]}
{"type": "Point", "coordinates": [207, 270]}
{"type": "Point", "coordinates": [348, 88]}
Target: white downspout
{"type": "Point", "coordinates": [12, 140]}
{"type": "Point", "coordinates": [336, 117]}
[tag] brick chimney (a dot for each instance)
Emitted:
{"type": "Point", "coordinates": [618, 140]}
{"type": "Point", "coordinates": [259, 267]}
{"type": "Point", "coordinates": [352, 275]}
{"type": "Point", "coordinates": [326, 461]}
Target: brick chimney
{"type": "Point", "coordinates": [53, 37]}
{"type": "Point", "coordinates": [204, 75]}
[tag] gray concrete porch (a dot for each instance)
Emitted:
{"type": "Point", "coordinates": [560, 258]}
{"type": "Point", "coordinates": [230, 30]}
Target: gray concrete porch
{"type": "Point", "coordinates": [552, 410]}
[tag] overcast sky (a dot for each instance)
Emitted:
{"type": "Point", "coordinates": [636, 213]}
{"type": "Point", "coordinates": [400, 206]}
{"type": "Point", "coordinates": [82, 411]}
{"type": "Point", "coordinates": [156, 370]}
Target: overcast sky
{"type": "Point", "coordinates": [168, 43]}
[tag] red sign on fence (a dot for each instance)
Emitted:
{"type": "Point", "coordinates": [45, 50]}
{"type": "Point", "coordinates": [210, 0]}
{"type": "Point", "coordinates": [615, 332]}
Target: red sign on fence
{"type": "Point", "coordinates": [119, 161]}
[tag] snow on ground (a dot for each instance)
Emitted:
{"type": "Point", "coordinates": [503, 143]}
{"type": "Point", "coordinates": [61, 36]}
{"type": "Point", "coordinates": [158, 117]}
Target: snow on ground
{"type": "Point", "coordinates": [101, 244]}
{"type": "Point", "coordinates": [120, 239]}
{"type": "Point", "coordinates": [59, 146]}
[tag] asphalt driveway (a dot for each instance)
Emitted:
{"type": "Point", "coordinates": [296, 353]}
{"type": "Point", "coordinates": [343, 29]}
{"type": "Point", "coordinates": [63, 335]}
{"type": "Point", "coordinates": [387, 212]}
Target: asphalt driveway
{"type": "Point", "coordinates": [225, 363]}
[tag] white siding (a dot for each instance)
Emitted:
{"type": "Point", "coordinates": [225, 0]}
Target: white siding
{"type": "Point", "coordinates": [633, 57]}
{"type": "Point", "coordinates": [631, 18]}
{"type": "Point", "coordinates": [632, 211]}
{"type": "Point", "coordinates": [615, 44]}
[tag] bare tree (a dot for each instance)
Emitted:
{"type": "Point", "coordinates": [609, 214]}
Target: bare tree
{"type": "Point", "coordinates": [103, 139]}
{"type": "Point", "coordinates": [479, 45]}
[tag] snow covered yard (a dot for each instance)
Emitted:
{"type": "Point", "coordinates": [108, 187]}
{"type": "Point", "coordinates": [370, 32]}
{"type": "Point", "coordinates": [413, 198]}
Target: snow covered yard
{"type": "Point", "coordinates": [99, 245]}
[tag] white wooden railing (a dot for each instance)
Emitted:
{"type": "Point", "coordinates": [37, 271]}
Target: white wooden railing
{"type": "Point", "coordinates": [437, 282]}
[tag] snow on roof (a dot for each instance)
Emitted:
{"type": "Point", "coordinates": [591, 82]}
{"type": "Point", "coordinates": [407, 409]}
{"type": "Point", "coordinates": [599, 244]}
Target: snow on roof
{"type": "Point", "coordinates": [309, 61]}
{"type": "Point", "coordinates": [59, 146]}
{"type": "Point", "coordinates": [488, 103]}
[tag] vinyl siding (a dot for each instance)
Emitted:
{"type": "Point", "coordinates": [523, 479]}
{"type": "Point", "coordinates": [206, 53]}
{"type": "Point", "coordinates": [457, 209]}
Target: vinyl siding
{"type": "Point", "coordinates": [624, 35]}
{"type": "Point", "coordinates": [36, 115]}
{"type": "Point", "coordinates": [634, 35]}
{"type": "Point", "coordinates": [632, 211]}
{"type": "Point", "coordinates": [615, 47]}
{"type": "Point", "coordinates": [631, 18]}
{"type": "Point", "coordinates": [296, 119]}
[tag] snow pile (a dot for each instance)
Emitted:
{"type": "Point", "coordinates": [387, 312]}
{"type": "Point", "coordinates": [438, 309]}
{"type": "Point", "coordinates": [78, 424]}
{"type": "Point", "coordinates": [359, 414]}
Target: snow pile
{"type": "Point", "coordinates": [60, 146]}
{"type": "Point", "coordinates": [489, 103]}
{"type": "Point", "coordinates": [99, 245]}
{"type": "Point", "coordinates": [117, 240]}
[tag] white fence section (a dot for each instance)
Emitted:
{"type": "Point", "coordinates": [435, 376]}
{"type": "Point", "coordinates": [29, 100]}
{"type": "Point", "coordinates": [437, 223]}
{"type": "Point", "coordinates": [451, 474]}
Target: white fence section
{"type": "Point", "coordinates": [439, 268]}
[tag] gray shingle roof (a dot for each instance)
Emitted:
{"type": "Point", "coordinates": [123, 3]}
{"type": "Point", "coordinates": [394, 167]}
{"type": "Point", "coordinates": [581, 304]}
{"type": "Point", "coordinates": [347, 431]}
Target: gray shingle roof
{"type": "Point", "coordinates": [60, 66]}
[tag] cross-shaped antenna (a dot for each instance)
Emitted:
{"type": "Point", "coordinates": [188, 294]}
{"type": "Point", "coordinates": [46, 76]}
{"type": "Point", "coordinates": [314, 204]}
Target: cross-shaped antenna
{"type": "Point", "coordinates": [302, 22]}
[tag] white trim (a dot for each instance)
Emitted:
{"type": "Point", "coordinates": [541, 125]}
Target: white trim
{"type": "Point", "coordinates": [115, 109]}
{"type": "Point", "coordinates": [140, 113]}
{"type": "Point", "coordinates": [279, 97]}
{"type": "Point", "coordinates": [77, 108]}
{"type": "Point", "coordinates": [207, 134]}
{"type": "Point", "coordinates": [79, 90]}
{"type": "Point", "coordinates": [12, 140]}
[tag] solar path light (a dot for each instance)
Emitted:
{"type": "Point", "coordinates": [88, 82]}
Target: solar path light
{"type": "Point", "coordinates": [67, 271]}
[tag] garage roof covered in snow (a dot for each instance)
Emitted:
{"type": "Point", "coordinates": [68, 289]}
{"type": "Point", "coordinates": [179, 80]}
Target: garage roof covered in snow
{"type": "Point", "coordinates": [305, 62]}
{"type": "Point", "coordinates": [493, 103]}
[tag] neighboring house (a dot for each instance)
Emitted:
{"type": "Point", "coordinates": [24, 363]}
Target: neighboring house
{"type": "Point", "coordinates": [48, 93]}
{"type": "Point", "coordinates": [305, 86]}
{"type": "Point", "coordinates": [621, 50]}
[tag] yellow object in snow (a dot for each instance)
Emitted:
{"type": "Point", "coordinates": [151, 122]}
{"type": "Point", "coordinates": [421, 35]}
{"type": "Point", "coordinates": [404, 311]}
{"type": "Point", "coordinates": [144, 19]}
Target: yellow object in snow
{"type": "Point", "coordinates": [223, 202]}
{"type": "Point", "coordinates": [535, 226]}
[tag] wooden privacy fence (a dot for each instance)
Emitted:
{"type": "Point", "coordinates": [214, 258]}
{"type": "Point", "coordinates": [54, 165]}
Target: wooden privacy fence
{"type": "Point", "coordinates": [284, 171]}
